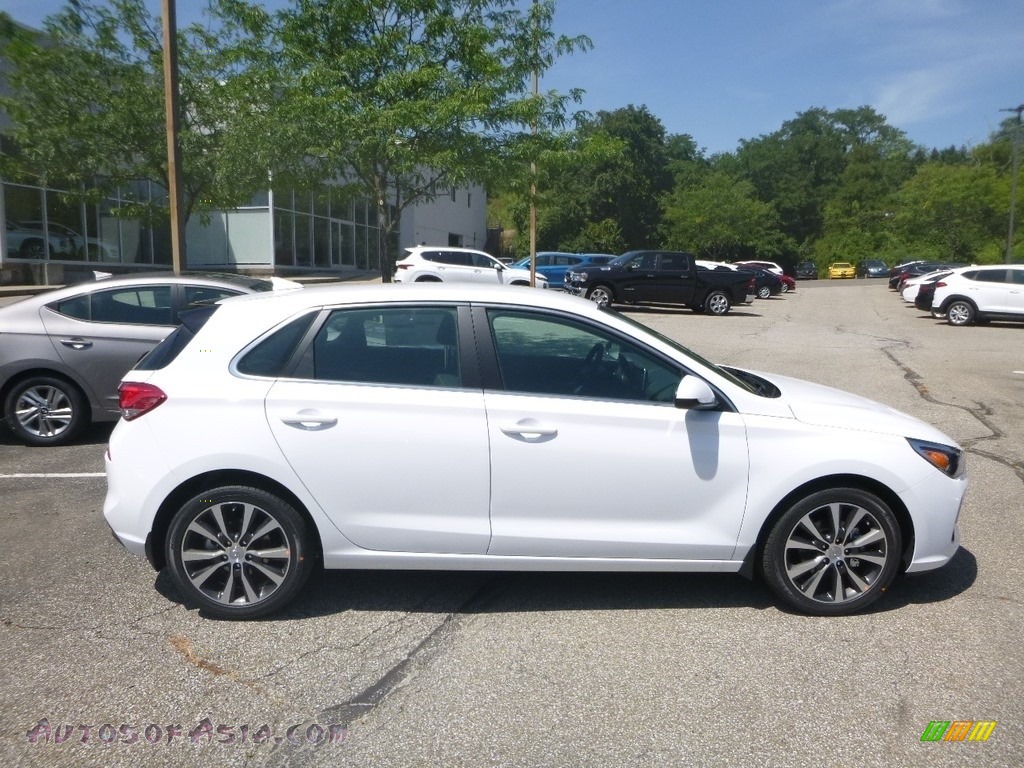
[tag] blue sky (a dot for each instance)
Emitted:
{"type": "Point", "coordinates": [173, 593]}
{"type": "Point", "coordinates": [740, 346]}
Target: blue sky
{"type": "Point", "coordinates": [726, 70]}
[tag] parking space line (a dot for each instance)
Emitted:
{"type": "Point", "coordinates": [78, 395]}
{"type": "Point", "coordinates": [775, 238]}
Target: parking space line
{"type": "Point", "coordinates": [24, 475]}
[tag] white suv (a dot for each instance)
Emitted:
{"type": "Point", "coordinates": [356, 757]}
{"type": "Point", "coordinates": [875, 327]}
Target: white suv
{"type": "Point", "coordinates": [435, 264]}
{"type": "Point", "coordinates": [981, 293]}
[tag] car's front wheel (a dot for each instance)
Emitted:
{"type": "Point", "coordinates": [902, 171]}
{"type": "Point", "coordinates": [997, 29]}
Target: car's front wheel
{"type": "Point", "coordinates": [601, 295]}
{"type": "Point", "coordinates": [834, 552]}
{"type": "Point", "coordinates": [45, 410]}
{"type": "Point", "coordinates": [960, 312]}
{"type": "Point", "coordinates": [238, 552]}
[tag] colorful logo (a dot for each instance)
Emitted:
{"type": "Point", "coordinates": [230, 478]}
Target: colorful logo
{"type": "Point", "coordinates": [958, 730]}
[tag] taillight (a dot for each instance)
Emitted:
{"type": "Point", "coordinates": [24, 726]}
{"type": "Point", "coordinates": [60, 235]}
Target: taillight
{"type": "Point", "coordinates": [403, 266]}
{"type": "Point", "coordinates": [751, 285]}
{"type": "Point", "coordinates": [940, 284]}
{"type": "Point", "coordinates": [136, 399]}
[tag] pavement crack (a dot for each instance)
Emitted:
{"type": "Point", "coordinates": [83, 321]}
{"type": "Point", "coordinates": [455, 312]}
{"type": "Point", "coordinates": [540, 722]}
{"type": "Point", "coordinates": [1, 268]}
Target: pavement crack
{"type": "Point", "coordinates": [370, 697]}
{"type": "Point", "coordinates": [980, 412]}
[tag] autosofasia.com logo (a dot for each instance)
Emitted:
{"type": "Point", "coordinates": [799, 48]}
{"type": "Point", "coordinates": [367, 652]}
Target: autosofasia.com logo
{"type": "Point", "coordinates": [958, 730]}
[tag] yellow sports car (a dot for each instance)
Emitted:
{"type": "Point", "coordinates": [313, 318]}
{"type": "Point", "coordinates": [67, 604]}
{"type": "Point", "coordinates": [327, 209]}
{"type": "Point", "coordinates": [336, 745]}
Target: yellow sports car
{"type": "Point", "coordinates": [841, 269]}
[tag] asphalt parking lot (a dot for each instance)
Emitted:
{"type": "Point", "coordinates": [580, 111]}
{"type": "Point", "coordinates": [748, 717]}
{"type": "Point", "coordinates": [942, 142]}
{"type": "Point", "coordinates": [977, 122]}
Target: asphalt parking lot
{"type": "Point", "coordinates": [463, 669]}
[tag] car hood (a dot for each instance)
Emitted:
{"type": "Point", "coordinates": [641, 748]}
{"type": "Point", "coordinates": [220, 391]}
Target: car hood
{"type": "Point", "coordinates": [824, 406]}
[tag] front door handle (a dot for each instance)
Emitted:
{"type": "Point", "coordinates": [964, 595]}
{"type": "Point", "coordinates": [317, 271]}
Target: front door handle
{"type": "Point", "coordinates": [76, 343]}
{"type": "Point", "coordinates": [310, 420]}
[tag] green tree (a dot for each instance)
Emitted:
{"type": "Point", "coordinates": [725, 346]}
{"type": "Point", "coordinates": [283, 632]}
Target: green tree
{"type": "Point", "coordinates": [953, 213]}
{"type": "Point", "coordinates": [403, 99]}
{"type": "Point", "coordinates": [720, 218]}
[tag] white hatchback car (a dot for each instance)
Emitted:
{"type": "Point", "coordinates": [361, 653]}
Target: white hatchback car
{"type": "Point", "coordinates": [977, 294]}
{"type": "Point", "coordinates": [435, 264]}
{"type": "Point", "coordinates": [391, 428]}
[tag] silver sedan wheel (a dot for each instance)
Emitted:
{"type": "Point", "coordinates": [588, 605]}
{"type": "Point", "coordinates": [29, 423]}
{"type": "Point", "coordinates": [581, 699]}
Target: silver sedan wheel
{"type": "Point", "coordinates": [600, 296]}
{"type": "Point", "coordinates": [764, 292]}
{"type": "Point", "coordinates": [44, 411]}
{"type": "Point", "coordinates": [836, 553]}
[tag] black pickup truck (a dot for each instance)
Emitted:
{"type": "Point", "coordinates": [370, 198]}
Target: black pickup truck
{"type": "Point", "coordinates": [663, 277]}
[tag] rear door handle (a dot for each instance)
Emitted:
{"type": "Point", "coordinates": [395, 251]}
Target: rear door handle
{"type": "Point", "coordinates": [310, 420]}
{"type": "Point", "coordinates": [529, 429]}
{"type": "Point", "coordinates": [76, 343]}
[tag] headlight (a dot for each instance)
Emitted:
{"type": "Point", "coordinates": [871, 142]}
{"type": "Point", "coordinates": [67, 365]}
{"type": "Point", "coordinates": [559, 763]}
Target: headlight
{"type": "Point", "coordinates": [945, 458]}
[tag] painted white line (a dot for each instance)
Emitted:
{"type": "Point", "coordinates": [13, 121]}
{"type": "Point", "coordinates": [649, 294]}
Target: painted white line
{"type": "Point", "coordinates": [22, 475]}
{"type": "Point", "coordinates": [1020, 372]}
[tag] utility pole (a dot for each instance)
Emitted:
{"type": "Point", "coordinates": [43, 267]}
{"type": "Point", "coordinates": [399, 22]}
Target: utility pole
{"type": "Point", "coordinates": [1013, 179]}
{"type": "Point", "coordinates": [533, 168]}
{"type": "Point", "coordinates": [171, 123]}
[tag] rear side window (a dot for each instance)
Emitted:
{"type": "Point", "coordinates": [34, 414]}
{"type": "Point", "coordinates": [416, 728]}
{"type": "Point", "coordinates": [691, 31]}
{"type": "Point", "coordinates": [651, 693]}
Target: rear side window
{"type": "Point", "coordinates": [150, 305]}
{"type": "Point", "coordinates": [270, 356]}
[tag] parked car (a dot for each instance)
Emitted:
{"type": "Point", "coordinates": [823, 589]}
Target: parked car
{"type": "Point", "coordinates": [771, 266]}
{"type": "Point", "coordinates": [787, 283]}
{"type": "Point", "coordinates": [841, 269]}
{"type": "Point", "coordinates": [430, 264]}
{"type": "Point", "coordinates": [872, 268]}
{"type": "Point", "coordinates": [980, 294]}
{"type": "Point", "coordinates": [825, 495]}
{"type": "Point", "coordinates": [669, 277]}
{"type": "Point", "coordinates": [923, 299]}
{"type": "Point", "coordinates": [81, 247]}
{"type": "Point", "coordinates": [806, 270]}
{"type": "Point", "coordinates": [28, 243]}
{"type": "Point", "coordinates": [63, 352]}
{"type": "Point", "coordinates": [910, 286]}
{"type": "Point", "coordinates": [917, 269]}
{"type": "Point", "coordinates": [553, 264]}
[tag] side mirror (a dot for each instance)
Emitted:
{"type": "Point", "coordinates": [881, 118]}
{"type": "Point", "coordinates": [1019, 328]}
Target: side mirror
{"type": "Point", "coordinates": [695, 394]}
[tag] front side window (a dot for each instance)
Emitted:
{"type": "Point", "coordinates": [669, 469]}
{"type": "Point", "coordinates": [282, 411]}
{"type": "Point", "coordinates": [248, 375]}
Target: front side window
{"type": "Point", "coordinates": [412, 346]}
{"type": "Point", "coordinates": [551, 355]}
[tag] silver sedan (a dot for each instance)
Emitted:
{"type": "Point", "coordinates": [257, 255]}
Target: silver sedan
{"type": "Point", "coordinates": [63, 352]}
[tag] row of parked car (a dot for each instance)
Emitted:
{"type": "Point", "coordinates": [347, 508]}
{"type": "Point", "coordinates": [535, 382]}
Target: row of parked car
{"type": "Point", "coordinates": [963, 294]}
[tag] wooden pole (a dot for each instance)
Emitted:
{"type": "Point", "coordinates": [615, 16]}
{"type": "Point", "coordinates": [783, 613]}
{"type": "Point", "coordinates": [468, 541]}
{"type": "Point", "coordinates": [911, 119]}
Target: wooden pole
{"type": "Point", "coordinates": [170, 27]}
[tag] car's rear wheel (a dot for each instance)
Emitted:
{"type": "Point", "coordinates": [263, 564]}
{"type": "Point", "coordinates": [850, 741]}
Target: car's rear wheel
{"type": "Point", "coordinates": [238, 552]}
{"type": "Point", "coordinates": [46, 410]}
{"type": "Point", "coordinates": [764, 292]}
{"type": "Point", "coordinates": [834, 552]}
{"type": "Point", "coordinates": [717, 303]}
{"type": "Point", "coordinates": [428, 279]}
{"type": "Point", "coordinates": [960, 312]}
{"type": "Point", "coordinates": [601, 295]}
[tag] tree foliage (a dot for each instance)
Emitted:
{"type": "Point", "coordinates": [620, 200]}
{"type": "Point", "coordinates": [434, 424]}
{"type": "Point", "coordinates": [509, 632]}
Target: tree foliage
{"type": "Point", "coordinates": [403, 99]}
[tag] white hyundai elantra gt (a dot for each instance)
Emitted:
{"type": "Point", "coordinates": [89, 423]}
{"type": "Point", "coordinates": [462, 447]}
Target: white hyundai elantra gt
{"type": "Point", "coordinates": [391, 427]}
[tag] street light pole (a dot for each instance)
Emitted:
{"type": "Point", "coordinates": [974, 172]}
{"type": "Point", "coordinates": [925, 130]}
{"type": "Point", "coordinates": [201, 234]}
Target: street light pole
{"type": "Point", "coordinates": [1013, 179]}
{"type": "Point", "coordinates": [170, 60]}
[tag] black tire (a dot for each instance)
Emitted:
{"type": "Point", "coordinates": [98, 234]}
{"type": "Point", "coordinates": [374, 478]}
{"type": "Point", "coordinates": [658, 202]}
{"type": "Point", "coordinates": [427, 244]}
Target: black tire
{"type": "Point", "coordinates": [764, 292]}
{"type": "Point", "coordinates": [717, 303]}
{"type": "Point", "coordinates": [811, 560]}
{"type": "Point", "coordinates": [601, 295]}
{"type": "Point", "coordinates": [32, 249]}
{"type": "Point", "coordinates": [428, 279]}
{"type": "Point", "coordinates": [960, 312]}
{"type": "Point", "coordinates": [46, 410]}
{"type": "Point", "coordinates": [230, 576]}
